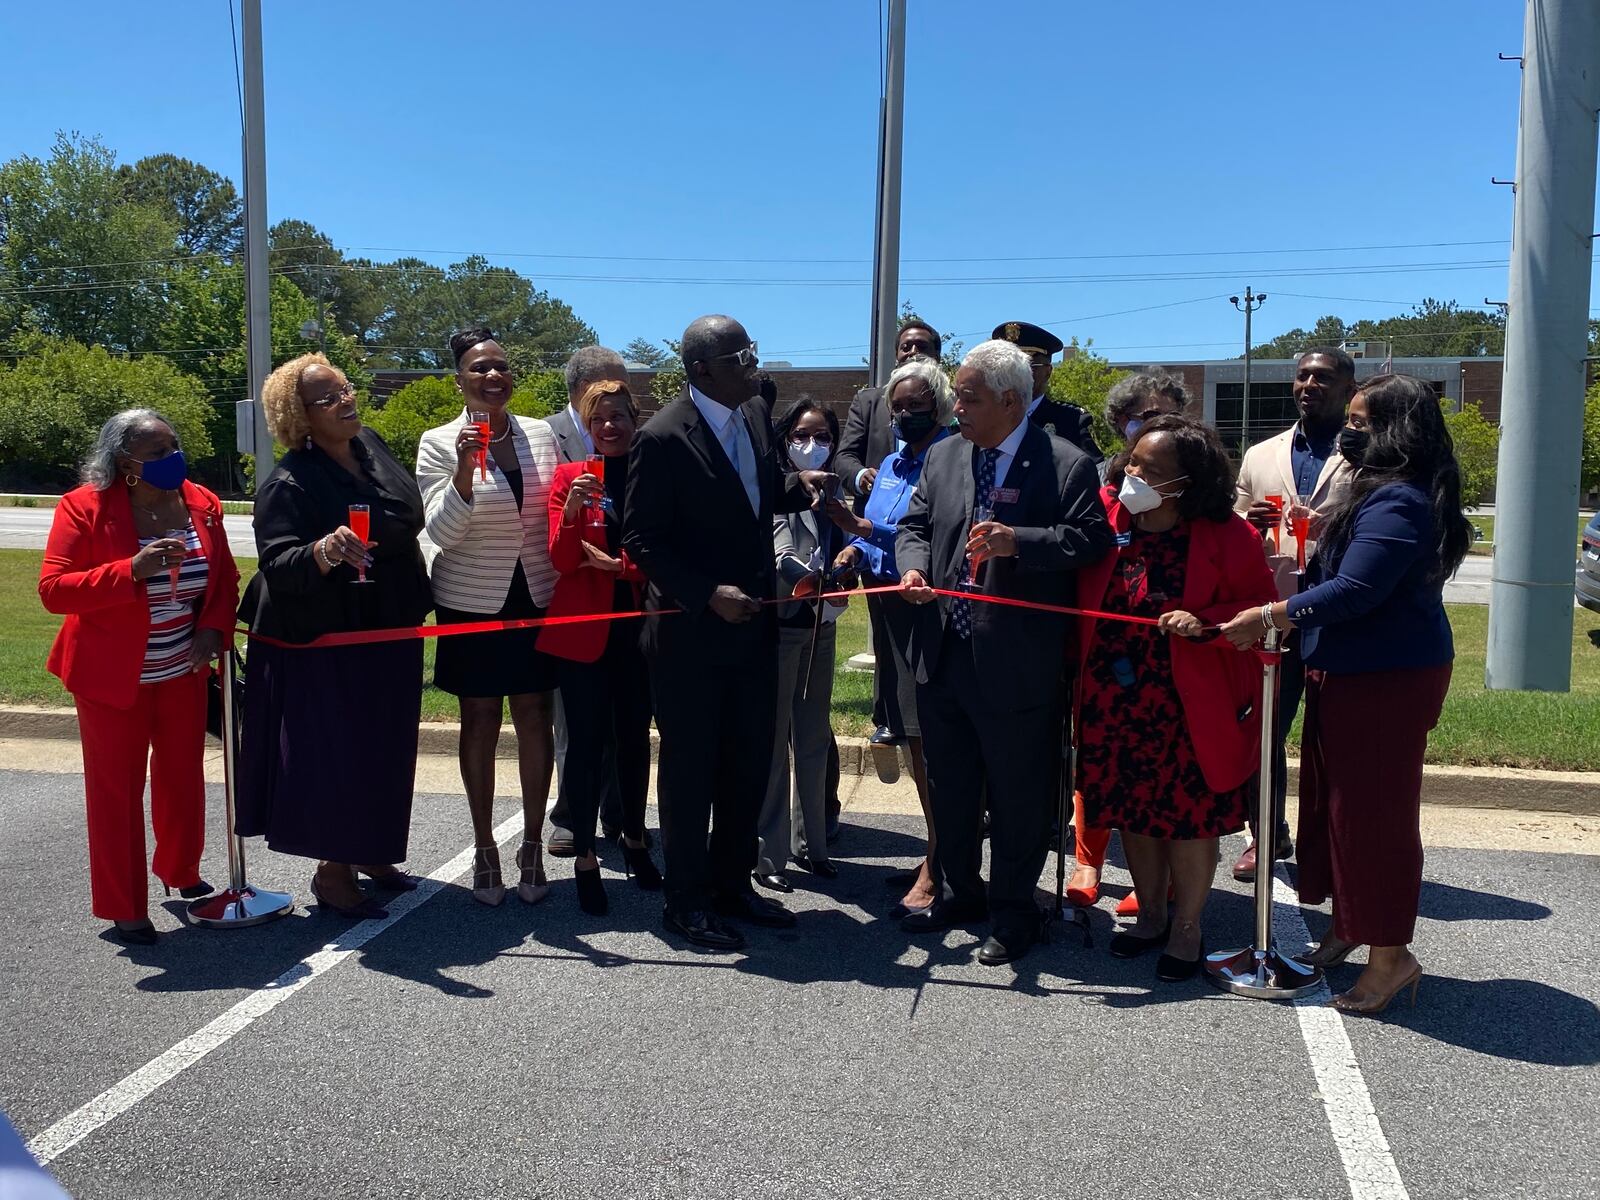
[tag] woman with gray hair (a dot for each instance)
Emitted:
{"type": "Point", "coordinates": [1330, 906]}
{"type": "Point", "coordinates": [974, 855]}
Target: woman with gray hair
{"type": "Point", "coordinates": [921, 406]}
{"type": "Point", "coordinates": [139, 565]}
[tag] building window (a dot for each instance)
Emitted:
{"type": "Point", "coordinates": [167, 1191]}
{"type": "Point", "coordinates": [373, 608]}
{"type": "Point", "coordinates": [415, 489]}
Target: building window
{"type": "Point", "coordinates": [1271, 410]}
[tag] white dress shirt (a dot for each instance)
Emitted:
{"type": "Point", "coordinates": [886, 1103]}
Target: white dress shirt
{"type": "Point", "coordinates": [1008, 451]}
{"type": "Point", "coordinates": [735, 441]}
{"type": "Point", "coordinates": [583, 430]}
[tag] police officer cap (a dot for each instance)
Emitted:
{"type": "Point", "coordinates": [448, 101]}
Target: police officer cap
{"type": "Point", "coordinates": [1029, 338]}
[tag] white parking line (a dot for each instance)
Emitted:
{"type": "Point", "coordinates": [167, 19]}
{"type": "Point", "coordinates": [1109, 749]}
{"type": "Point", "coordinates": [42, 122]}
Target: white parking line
{"type": "Point", "coordinates": [1369, 1166]}
{"type": "Point", "coordinates": [120, 1097]}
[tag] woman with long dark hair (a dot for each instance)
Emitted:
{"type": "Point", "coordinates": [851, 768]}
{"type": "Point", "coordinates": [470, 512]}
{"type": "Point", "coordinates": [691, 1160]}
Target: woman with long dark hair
{"type": "Point", "coordinates": [1378, 649]}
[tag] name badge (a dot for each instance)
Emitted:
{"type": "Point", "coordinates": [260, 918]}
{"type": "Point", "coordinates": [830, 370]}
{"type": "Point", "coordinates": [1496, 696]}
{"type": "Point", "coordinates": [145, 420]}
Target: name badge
{"type": "Point", "coordinates": [1002, 495]}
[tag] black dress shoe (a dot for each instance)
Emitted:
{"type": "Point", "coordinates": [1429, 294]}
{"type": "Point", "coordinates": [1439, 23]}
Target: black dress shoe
{"type": "Point", "coordinates": [776, 882]}
{"type": "Point", "coordinates": [700, 928]}
{"type": "Point", "coordinates": [130, 933]}
{"type": "Point", "coordinates": [1125, 945]}
{"type": "Point", "coordinates": [819, 867]}
{"type": "Point", "coordinates": [905, 910]}
{"type": "Point", "coordinates": [1176, 970]}
{"type": "Point", "coordinates": [194, 891]}
{"type": "Point", "coordinates": [944, 914]}
{"type": "Point", "coordinates": [882, 737]}
{"type": "Point", "coordinates": [758, 910]}
{"type": "Point", "coordinates": [560, 843]}
{"type": "Point", "coordinates": [998, 949]}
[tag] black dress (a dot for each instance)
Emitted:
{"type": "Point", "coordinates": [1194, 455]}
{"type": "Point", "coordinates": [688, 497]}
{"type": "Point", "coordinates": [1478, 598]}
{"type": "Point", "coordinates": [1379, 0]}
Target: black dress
{"type": "Point", "coordinates": [330, 734]}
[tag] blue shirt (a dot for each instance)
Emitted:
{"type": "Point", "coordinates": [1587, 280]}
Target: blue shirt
{"type": "Point", "coordinates": [886, 504]}
{"type": "Point", "coordinates": [1307, 457]}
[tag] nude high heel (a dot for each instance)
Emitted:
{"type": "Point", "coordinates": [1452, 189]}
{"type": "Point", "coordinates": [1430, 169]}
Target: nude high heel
{"type": "Point", "coordinates": [532, 887]}
{"type": "Point", "coordinates": [1371, 1006]}
{"type": "Point", "coordinates": [487, 886]}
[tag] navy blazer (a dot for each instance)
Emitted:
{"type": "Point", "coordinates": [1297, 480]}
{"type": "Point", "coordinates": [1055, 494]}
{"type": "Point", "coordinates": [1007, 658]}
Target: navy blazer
{"type": "Point", "coordinates": [1369, 605]}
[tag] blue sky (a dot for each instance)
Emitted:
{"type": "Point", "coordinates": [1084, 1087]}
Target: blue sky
{"type": "Point", "coordinates": [1197, 147]}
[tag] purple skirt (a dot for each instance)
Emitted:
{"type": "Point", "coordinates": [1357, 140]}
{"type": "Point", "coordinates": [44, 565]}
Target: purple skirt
{"type": "Point", "coordinates": [330, 750]}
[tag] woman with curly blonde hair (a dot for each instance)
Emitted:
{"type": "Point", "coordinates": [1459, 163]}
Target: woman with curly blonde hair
{"type": "Point", "coordinates": [349, 809]}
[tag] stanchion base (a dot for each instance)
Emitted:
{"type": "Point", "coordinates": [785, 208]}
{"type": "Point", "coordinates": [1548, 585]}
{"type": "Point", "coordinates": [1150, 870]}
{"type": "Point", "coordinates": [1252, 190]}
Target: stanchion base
{"type": "Point", "coordinates": [1268, 976]}
{"type": "Point", "coordinates": [236, 909]}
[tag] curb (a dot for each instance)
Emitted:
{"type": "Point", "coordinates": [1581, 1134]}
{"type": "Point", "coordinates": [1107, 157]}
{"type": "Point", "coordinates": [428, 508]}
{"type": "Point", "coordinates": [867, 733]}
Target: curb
{"type": "Point", "coordinates": [1573, 792]}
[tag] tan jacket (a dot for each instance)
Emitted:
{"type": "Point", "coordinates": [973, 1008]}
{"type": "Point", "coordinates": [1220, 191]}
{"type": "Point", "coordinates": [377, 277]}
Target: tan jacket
{"type": "Point", "coordinates": [1268, 470]}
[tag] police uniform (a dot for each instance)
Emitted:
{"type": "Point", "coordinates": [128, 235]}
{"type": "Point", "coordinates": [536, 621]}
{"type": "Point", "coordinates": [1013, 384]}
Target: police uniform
{"type": "Point", "coordinates": [1066, 421]}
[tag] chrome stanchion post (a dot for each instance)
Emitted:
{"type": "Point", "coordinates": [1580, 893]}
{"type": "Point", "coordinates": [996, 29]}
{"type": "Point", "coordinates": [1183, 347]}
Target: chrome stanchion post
{"type": "Point", "coordinates": [240, 904]}
{"type": "Point", "coordinates": [1259, 970]}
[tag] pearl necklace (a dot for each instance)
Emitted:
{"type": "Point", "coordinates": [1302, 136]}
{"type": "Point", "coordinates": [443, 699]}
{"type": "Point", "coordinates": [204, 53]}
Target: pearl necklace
{"type": "Point", "coordinates": [502, 437]}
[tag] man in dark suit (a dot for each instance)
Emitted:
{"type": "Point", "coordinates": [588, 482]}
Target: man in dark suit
{"type": "Point", "coordinates": [989, 676]}
{"type": "Point", "coordinates": [863, 446]}
{"type": "Point", "coordinates": [1053, 416]}
{"type": "Point", "coordinates": [590, 364]}
{"type": "Point", "coordinates": [703, 484]}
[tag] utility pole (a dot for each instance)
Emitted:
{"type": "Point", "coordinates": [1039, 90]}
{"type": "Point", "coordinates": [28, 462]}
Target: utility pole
{"type": "Point", "coordinates": [250, 416]}
{"type": "Point", "coordinates": [886, 260]}
{"type": "Point", "coordinates": [1541, 420]}
{"type": "Point", "coordinates": [1252, 301]}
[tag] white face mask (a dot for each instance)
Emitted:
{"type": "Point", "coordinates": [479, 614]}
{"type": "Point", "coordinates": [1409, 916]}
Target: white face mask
{"type": "Point", "coordinates": [809, 455]}
{"type": "Point", "coordinates": [1137, 496]}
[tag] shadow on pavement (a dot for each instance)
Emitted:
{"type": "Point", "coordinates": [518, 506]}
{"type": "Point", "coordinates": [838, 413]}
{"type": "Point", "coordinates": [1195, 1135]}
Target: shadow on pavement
{"type": "Point", "coordinates": [1442, 902]}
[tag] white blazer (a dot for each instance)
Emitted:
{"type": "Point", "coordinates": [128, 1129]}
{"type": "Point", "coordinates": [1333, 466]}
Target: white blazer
{"type": "Point", "coordinates": [1268, 470]}
{"type": "Point", "coordinates": [481, 540]}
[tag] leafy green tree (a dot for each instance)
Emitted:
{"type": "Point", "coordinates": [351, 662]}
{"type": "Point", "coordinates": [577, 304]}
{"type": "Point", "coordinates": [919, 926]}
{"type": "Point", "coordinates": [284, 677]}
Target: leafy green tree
{"type": "Point", "coordinates": [203, 205]}
{"type": "Point", "coordinates": [427, 403]}
{"type": "Point", "coordinates": [1432, 329]}
{"type": "Point", "coordinates": [643, 350]}
{"type": "Point", "coordinates": [1477, 445]}
{"type": "Point", "coordinates": [1083, 378]}
{"type": "Point", "coordinates": [669, 381]}
{"type": "Point", "coordinates": [1591, 439]}
{"type": "Point", "coordinates": [1327, 331]}
{"type": "Point", "coordinates": [55, 399]}
{"type": "Point", "coordinates": [78, 258]}
{"type": "Point", "coordinates": [350, 290]}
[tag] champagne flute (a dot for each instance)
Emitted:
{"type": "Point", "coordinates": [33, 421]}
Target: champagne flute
{"type": "Point", "coordinates": [596, 514]}
{"type": "Point", "coordinates": [1277, 523]}
{"type": "Point", "coordinates": [1300, 527]}
{"type": "Point", "coordinates": [481, 420]}
{"type": "Point", "coordinates": [360, 519]}
{"type": "Point", "coordinates": [981, 513]}
{"type": "Point", "coordinates": [182, 537]}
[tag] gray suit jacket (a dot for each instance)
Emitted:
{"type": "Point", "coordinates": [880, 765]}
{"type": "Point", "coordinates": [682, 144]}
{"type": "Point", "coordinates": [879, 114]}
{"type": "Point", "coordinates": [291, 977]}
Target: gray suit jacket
{"type": "Point", "coordinates": [569, 441]}
{"type": "Point", "coordinates": [865, 442]}
{"type": "Point", "coordinates": [1060, 524]}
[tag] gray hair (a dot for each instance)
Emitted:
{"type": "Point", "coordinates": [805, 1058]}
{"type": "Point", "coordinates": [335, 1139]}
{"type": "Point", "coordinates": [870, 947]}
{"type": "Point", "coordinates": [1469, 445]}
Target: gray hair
{"type": "Point", "coordinates": [1004, 368]}
{"type": "Point", "coordinates": [1148, 383]}
{"type": "Point", "coordinates": [99, 469]}
{"type": "Point", "coordinates": [925, 370]}
{"type": "Point", "coordinates": [593, 363]}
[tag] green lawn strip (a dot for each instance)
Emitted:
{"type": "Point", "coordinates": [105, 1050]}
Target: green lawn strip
{"type": "Point", "coordinates": [1524, 729]}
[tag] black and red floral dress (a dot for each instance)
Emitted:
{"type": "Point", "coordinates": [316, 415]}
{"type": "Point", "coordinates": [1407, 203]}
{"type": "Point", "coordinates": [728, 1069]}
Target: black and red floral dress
{"type": "Point", "coordinates": [1137, 768]}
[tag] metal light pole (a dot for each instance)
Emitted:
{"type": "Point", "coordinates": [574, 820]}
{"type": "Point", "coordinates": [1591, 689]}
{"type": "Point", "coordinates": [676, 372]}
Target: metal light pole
{"type": "Point", "coordinates": [250, 417]}
{"type": "Point", "coordinates": [886, 260]}
{"type": "Point", "coordinates": [1252, 301]}
{"type": "Point", "coordinates": [1541, 419]}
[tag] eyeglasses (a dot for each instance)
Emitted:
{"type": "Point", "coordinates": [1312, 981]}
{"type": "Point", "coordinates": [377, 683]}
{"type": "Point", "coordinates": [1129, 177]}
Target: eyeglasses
{"type": "Point", "coordinates": [347, 392]}
{"type": "Point", "coordinates": [821, 439]}
{"type": "Point", "coordinates": [745, 358]}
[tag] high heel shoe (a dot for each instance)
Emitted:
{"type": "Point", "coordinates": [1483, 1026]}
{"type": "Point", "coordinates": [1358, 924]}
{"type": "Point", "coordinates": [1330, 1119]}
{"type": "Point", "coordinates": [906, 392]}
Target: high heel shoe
{"type": "Point", "coordinates": [591, 891]}
{"type": "Point", "coordinates": [487, 886]}
{"type": "Point", "coordinates": [1083, 897]}
{"type": "Point", "coordinates": [532, 887]}
{"type": "Point", "coordinates": [193, 892]}
{"type": "Point", "coordinates": [1329, 956]}
{"type": "Point", "coordinates": [389, 878]}
{"type": "Point", "coordinates": [366, 910]}
{"type": "Point", "coordinates": [1371, 1006]}
{"type": "Point", "coordinates": [638, 864]}
{"type": "Point", "coordinates": [134, 933]}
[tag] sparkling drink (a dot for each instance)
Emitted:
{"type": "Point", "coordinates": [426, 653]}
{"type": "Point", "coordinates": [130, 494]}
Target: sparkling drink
{"type": "Point", "coordinates": [980, 514]}
{"type": "Point", "coordinates": [481, 420]}
{"type": "Point", "coordinates": [1277, 522]}
{"type": "Point", "coordinates": [360, 520]}
{"type": "Point", "coordinates": [1300, 527]}
{"type": "Point", "coordinates": [596, 514]}
{"type": "Point", "coordinates": [181, 535]}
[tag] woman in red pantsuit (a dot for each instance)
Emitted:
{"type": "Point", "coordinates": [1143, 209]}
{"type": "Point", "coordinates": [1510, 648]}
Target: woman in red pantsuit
{"type": "Point", "coordinates": [138, 563]}
{"type": "Point", "coordinates": [1378, 652]}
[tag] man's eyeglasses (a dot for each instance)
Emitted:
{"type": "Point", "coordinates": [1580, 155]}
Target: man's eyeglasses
{"type": "Point", "coordinates": [745, 358]}
{"type": "Point", "coordinates": [347, 392]}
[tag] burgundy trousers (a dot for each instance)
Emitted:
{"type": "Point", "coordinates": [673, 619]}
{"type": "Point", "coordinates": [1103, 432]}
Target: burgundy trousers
{"type": "Point", "coordinates": [1360, 838]}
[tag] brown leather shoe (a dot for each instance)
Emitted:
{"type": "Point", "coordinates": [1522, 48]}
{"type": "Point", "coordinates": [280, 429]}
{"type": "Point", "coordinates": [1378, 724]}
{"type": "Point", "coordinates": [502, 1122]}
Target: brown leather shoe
{"type": "Point", "coordinates": [1245, 869]}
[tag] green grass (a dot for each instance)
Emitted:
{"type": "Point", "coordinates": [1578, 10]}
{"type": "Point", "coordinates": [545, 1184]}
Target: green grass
{"type": "Point", "coordinates": [1486, 526]}
{"type": "Point", "coordinates": [1553, 731]}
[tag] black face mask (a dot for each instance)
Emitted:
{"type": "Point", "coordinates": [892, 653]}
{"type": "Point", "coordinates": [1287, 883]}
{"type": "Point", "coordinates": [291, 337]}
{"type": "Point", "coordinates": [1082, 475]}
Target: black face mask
{"type": "Point", "coordinates": [1353, 445]}
{"type": "Point", "coordinates": [912, 427]}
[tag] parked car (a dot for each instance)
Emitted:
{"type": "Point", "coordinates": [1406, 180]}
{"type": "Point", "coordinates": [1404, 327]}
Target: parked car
{"type": "Point", "coordinates": [1586, 586]}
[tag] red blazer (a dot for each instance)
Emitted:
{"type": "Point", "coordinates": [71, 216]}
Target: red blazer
{"type": "Point", "coordinates": [88, 576]}
{"type": "Point", "coordinates": [580, 588]}
{"type": "Point", "coordinates": [1220, 687]}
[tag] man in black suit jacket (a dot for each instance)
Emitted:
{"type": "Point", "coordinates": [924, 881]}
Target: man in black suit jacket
{"type": "Point", "coordinates": [990, 677]}
{"type": "Point", "coordinates": [865, 443]}
{"type": "Point", "coordinates": [589, 364]}
{"type": "Point", "coordinates": [703, 484]}
{"type": "Point", "coordinates": [1053, 416]}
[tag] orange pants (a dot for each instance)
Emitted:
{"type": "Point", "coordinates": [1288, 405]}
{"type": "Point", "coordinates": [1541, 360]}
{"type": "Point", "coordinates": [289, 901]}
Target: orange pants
{"type": "Point", "coordinates": [166, 728]}
{"type": "Point", "coordinates": [1090, 843]}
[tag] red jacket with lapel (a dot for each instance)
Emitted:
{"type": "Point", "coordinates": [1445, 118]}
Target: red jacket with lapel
{"type": "Point", "coordinates": [88, 576]}
{"type": "Point", "coordinates": [1220, 687]}
{"type": "Point", "coordinates": [580, 589]}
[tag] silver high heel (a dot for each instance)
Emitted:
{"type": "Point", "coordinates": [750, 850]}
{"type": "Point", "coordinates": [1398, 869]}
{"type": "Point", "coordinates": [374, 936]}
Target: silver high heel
{"type": "Point", "coordinates": [487, 886]}
{"type": "Point", "coordinates": [532, 887]}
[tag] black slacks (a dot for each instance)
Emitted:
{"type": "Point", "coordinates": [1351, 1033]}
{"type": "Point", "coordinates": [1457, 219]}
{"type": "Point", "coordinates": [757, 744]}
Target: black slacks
{"type": "Point", "coordinates": [608, 735]}
{"type": "Point", "coordinates": [1016, 754]}
{"type": "Point", "coordinates": [716, 750]}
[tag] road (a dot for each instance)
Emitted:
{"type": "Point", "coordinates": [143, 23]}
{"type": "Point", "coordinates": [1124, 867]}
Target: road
{"type": "Point", "coordinates": [459, 1050]}
{"type": "Point", "coordinates": [28, 528]}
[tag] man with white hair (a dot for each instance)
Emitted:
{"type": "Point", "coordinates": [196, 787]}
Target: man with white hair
{"type": "Point", "coordinates": [1005, 510]}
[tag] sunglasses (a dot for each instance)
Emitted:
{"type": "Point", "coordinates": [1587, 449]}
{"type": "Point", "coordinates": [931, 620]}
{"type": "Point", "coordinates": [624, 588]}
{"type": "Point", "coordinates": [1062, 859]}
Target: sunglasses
{"type": "Point", "coordinates": [347, 392]}
{"type": "Point", "coordinates": [745, 358]}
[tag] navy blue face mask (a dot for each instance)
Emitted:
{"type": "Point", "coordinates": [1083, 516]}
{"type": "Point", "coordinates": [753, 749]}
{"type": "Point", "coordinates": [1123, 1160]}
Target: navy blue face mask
{"type": "Point", "coordinates": [167, 473]}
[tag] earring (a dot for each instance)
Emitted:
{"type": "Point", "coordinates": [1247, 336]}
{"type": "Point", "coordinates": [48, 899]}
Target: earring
{"type": "Point", "coordinates": [131, 480]}
{"type": "Point", "coordinates": [308, 441]}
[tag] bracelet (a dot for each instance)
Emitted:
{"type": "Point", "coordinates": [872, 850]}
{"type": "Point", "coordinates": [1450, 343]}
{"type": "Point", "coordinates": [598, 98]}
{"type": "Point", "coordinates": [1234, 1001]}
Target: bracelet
{"type": "Point", "coordinates": [321, 552]}
{"type": "Point", "coordinates": [1266, 618]}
